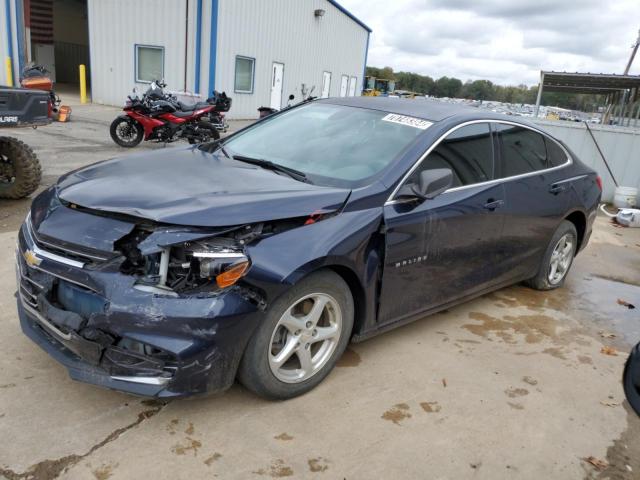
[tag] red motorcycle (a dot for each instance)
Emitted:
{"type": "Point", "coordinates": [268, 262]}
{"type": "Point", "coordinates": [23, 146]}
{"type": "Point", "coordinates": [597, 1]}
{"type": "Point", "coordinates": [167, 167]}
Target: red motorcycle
{"type": "Point", "coordinates": [152, 118]}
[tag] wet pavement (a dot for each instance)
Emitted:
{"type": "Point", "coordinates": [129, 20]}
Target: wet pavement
{"type": "Point", "coordinates": [515, 384]}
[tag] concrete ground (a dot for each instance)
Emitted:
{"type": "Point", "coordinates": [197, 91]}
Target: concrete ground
{"type": "Point", "coordinates": [514, 384]}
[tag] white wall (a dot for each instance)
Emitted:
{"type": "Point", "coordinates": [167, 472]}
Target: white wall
{"type": "Point", "coordinates": [620, 146]}
{"type": "Point", "coordinates": [115, 26]}
{"type": "Point", "coordinates": [286, 31]}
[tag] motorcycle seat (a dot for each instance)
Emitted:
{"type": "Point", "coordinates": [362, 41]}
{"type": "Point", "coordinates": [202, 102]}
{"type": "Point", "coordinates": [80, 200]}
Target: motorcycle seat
{"type": "Point", "coordinates": [181, 114]}
{"type": "Point", "coordinates": [190, 108]}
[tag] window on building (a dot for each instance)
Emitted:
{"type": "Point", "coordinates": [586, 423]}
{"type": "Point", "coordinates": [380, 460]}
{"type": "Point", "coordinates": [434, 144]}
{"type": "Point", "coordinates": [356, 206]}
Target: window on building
{"type": "Point", "coordinates": [467, 152]}
{"type": "Point", "coordinates": [149, 63]}
{"type": "Point", "coordinates": [245, 67]}
{"type": "Point", "coordinates": [523, 150]}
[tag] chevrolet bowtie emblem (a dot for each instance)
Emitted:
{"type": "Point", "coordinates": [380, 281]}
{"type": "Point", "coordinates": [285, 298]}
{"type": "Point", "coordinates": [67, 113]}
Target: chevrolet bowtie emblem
{"type": "Point", "coordinates": [31, 258]}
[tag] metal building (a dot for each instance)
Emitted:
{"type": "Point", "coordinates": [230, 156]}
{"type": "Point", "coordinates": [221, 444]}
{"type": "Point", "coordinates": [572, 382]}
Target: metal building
{"type": "Point", "coordinates": [258, 51]}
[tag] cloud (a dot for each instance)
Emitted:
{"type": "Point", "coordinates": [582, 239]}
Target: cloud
{"type": "Point", "coordinates": [505, 41]}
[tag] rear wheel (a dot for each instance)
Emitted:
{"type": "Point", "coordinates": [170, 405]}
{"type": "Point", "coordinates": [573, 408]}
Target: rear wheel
{"type": "Point", "coordinates": [301, 338]}
{"type": "Point", "coordinates": [126, 132]}
{"type": "Point", "coordinates": [557, 258]}
{"type": "Point", "coordinates": [20, 170]}
{"type": "Point", "coordinates": [202, 133]}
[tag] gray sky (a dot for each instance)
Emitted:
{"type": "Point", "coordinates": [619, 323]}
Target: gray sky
{"type": "Point", "coordinates": [505, 41]}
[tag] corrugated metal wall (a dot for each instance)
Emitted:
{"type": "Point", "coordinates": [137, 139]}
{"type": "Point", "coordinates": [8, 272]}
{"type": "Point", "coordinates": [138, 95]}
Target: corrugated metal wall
{"type": "Point", "coordinates": [115, 26]}
{"type": "Point", "coordinates": [620, 146]}
{"type": "Point", "coordinates": [286, 31]}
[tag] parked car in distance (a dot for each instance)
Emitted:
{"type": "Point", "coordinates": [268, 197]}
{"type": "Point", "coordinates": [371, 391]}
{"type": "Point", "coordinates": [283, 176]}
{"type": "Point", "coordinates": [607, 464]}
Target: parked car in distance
{"type": "Point", "coordinates": [260, 256]}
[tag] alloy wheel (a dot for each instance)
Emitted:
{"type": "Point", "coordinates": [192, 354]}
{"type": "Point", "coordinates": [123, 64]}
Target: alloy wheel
{"type": "Point", "coordinates": [561, 258]}
{"type": "Point", "coordinates": [305, 338]}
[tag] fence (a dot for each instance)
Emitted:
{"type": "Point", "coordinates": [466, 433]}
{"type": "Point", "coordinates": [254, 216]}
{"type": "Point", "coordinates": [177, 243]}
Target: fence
{"type": "Point", "coordinates": [619, 145]}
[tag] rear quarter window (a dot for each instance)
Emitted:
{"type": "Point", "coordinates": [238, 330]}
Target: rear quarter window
{"type": "Point", "coordinates": [556, 156]}
{"type": "Point", "coordinates": [523, 150]}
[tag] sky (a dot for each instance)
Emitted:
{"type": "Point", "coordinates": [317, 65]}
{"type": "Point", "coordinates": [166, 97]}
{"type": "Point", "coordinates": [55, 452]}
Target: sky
{"type": "Point", "coordinates": [505, 41]}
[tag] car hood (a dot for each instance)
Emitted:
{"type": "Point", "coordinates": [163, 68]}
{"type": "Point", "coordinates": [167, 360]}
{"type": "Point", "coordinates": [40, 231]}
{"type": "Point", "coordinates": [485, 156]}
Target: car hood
{"type": "Point", "coordinates": [187, 186]}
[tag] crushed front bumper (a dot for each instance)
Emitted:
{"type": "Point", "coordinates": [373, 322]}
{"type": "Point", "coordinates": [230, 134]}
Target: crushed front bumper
{"type": "Point", "coordinates": [107, 333]}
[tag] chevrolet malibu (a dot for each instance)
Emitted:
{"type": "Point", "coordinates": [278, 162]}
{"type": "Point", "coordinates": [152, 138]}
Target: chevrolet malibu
{"type": "Point", "coordinates": [261, 256]}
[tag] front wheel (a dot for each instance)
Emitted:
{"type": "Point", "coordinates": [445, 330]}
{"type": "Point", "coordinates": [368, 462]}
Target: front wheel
{"type": "Point", "coordinates": [20, 170]}
{"type": "Point", "coordinates": [126, 132]}
{"type": "Point", "coordinates": [301, 338]}
{"type": "Point", "coordinates": [557, 259]}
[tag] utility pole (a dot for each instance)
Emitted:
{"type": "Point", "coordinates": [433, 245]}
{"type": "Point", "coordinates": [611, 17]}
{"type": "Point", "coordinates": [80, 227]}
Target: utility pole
{"type": "Point", "coordinates": [633, 54]}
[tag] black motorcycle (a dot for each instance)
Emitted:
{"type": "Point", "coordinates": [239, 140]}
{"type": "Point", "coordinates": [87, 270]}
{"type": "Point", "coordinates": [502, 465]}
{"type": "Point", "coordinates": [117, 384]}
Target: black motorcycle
{"type": "Point", "coordinates": [220, 100]}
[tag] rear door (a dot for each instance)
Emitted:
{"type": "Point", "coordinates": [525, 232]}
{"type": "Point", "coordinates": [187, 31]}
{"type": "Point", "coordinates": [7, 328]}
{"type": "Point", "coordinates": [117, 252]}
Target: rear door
{"type": "Point", "coordinates": [326, 84]}
{"type": "Point", "coordinates": [344, 84]}
{"type": "Point", "coordinates": [443, 249]}
{"type": "Point", "coordinates": [277, 76]}
{"type": "Point", "coordinates": [537, 194]}
{"type": "Point", "coordinates": [352, 86]}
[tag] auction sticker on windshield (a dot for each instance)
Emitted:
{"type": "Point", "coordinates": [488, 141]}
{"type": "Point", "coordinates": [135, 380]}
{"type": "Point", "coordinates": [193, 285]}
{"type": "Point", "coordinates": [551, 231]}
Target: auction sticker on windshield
{"type": "Point", "coordinates": [410, 121]}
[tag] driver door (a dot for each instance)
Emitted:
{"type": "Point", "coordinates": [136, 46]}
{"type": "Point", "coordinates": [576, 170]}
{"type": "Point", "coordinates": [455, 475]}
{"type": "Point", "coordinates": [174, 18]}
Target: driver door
{"type": "Point", "coordinates": [442, 249]}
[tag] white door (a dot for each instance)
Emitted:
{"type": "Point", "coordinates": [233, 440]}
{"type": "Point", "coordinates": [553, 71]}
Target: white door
{"type": "Point", "coordinates": [45, 56]}
{"type": "Point", "coordinates": [277, 74]}
{"type": "Point", "coordinates": [326, 84]}
{"type": "Point", "coordinates": [352, 86]}
{"type": "Point", "coordinates": [344, 84]}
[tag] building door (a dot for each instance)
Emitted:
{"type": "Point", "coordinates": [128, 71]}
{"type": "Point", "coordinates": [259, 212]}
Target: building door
{"type": "Point", "coordinates": [344, 84]}
{"type": "Point", "coordinates": [277, 75]}
{"type": "Point", "coordinates": [326, 84]}
{"type": "Point", "coordinates": [352, 86]}
{"type": "Point", "coordinates": [44, 55]}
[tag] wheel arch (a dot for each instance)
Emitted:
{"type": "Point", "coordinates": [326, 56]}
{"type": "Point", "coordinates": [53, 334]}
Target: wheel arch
{"type": "Point", "coordinates": [579, 220]}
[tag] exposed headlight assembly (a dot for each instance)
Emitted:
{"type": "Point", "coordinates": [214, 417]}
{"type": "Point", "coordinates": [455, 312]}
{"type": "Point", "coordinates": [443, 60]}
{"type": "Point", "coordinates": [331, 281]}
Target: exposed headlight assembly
{"type": "Point", "coordinates": [196, 266]}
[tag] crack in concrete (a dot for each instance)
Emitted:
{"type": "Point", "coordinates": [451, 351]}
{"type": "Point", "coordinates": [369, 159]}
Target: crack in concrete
{"type": "Point", "coordinates": [51, 469]}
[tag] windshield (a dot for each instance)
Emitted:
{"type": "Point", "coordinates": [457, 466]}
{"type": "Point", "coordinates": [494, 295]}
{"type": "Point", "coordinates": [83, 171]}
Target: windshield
{"type": "Point", "coordinates": [332, 144]}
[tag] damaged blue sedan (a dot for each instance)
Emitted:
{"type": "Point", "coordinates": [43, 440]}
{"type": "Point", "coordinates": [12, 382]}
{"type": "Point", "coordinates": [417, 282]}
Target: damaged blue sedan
{"type": "Point", "coordinates": [261, 256]}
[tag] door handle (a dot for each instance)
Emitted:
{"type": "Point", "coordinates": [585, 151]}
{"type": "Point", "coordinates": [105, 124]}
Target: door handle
{"type": "Point", "coordinates": [493, 204]}
{"type": "Point", "coordinates": [557, 188]}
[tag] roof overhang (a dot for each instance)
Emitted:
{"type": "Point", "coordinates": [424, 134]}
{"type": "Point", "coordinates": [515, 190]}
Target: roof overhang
{"type": "Point", "coordinates": [596, 83]}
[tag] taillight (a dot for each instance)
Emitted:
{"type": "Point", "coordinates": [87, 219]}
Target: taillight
{"type": "Point", "coordinates": [49, 109]}
{"type": "Point", "coordinates": [599, 181]}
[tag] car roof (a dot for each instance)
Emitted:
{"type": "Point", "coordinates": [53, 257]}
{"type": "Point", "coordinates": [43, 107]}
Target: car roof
{"type": "Point", "coordinates": [432, 110]}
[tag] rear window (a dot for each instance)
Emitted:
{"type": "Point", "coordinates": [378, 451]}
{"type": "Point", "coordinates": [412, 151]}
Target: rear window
{"type": "Point", "coordinates": [523, 150]}
{"type": "Point", "coordinates": [555, 154]}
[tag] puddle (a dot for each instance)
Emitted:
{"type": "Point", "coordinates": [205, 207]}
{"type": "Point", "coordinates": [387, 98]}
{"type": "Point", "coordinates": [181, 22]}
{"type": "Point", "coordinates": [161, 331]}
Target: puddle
{"type": "Point", "coordinates": [599, 297]}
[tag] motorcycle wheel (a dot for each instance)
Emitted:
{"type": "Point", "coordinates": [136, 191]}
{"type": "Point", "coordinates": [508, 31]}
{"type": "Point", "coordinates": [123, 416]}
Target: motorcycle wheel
{"type": "Point", "coordinates": [205, 132]}
{"type": "Point", "coordinates": [126, 132]}
{"type": "Point", "coordinates": [20, 170]}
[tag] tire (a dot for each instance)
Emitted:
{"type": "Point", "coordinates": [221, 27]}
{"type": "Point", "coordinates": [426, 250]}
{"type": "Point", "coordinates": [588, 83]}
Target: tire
{"type": "Point", "coordinates": [258, 371]}
{"type": "Point", "coordinates": [545, 279]}
{"type": "Point", "coordinates": [208, 131]}
{"type": "Point", "coordinates": [20, 170]}
{"type": "Point", "coordinates": [134, 136]}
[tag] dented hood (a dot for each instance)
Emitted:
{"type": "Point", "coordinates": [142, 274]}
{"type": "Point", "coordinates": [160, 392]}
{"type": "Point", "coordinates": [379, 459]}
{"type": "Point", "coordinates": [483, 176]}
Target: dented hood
{"type": "Point", "coordinates": [186, 186]}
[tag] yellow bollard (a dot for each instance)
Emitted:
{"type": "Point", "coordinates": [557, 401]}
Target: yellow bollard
{"type": "Point", "coordinates": [9, 70]}
{"type": "Point", "coordinates": [83, 84]}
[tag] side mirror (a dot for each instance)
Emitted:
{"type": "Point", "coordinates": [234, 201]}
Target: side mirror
{"type": "Point", "coordinates": [430, 184]}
